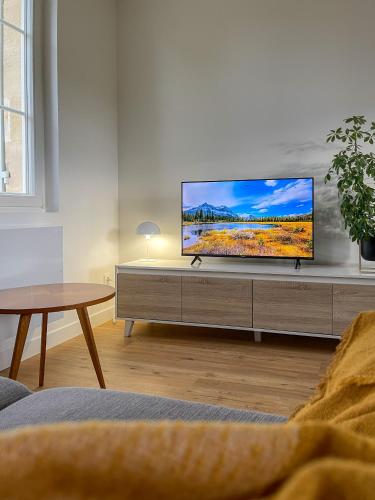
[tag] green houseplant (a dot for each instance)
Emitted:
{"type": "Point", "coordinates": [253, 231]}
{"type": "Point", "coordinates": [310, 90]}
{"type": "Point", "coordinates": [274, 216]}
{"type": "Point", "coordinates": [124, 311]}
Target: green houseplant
{"type": "Point", "coordinates": [353, 167]}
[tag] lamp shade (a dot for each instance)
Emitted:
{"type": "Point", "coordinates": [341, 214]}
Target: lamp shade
{"type": "Point", "coordinates": [148, 228]}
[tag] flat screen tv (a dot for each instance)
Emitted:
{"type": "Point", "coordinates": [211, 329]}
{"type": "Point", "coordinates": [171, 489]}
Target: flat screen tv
{"type": "Point", "coordinates": [249, 218]}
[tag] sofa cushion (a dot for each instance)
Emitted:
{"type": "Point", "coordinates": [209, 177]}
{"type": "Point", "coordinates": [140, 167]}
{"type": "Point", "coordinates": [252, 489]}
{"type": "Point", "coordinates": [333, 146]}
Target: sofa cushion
{"type": "Point", "coordinates": [75, 404]}
{"type": "Point", "coordinates": [11, 391]}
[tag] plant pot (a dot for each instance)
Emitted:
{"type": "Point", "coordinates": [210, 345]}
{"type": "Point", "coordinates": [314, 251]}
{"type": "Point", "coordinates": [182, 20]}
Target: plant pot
{"type": "Point", "coordinates": [368, 249]}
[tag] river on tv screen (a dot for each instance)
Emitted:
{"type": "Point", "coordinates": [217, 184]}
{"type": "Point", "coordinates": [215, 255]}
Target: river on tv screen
{"type": "Point", "coordinates": [257, 218]}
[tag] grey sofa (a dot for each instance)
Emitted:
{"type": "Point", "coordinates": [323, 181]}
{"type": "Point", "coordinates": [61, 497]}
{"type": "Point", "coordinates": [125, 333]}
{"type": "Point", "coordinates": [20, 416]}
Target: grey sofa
{"type": "Point", "coordinates": [19, 407]}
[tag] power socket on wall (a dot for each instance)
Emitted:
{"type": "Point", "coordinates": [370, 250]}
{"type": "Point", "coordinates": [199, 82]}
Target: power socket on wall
{"type": "Point", "coordinates": [107, 279]}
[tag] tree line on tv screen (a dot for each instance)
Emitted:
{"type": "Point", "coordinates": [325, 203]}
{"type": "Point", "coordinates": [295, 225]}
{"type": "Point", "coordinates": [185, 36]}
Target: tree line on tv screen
{"type": "Point", "coordinates": [200, 217]}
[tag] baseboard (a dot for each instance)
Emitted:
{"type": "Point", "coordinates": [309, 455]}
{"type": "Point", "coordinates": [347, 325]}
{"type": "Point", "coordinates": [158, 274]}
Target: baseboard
{"type": "Point", "coordinates": [55, 337]}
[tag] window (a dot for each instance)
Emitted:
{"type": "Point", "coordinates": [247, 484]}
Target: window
{"type": "Point", "coordinates": [19, 176]}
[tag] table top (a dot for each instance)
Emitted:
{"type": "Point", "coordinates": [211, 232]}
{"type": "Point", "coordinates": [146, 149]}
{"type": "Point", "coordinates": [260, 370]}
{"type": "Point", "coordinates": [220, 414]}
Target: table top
{"type": "Point", "coordinates": [53, 298]}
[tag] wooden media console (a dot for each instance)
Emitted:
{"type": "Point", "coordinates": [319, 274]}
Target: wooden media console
{"type": "Point", "coordinates": [314, 300]}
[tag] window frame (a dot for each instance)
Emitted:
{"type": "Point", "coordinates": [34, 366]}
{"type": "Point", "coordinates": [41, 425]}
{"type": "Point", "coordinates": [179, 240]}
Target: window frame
{"type": "Point", "coordinates": [33, 164]}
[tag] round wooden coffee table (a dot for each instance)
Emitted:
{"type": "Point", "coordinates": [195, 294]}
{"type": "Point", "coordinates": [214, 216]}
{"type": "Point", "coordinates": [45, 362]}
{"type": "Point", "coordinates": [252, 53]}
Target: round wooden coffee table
{"type": "Point", "coordinates": [45, 299]}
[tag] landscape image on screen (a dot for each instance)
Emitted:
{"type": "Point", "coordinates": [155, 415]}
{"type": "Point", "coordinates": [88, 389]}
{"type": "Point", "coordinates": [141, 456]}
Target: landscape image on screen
{"type": "Point", "coordinates": [256, 218]}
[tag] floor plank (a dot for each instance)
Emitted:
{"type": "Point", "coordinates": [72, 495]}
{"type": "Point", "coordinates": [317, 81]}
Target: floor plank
{"type": "Point", "coordinates": [216, 366]}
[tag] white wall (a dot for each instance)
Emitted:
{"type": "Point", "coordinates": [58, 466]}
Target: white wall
{"type": "Point", "coordinates": [216, 89]}
{"type": "Point", "coordinates": [87, 80]}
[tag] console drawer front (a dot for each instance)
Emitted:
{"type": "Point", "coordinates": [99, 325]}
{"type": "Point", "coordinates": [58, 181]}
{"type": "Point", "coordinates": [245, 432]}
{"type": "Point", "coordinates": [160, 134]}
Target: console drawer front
{"type": "Point", "coordinates": [217, 301]}
{"type": "Point", "coordinates": [292, 306]}
{"type": "Point", "coordinates": [348, 301]}
{"type": "Point", "coordinates": [149, 296]}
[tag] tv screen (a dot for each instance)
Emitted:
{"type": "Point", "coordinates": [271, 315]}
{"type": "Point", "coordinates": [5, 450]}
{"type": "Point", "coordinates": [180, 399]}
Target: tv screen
{"type": "Point", "coordinates": [249, 218]}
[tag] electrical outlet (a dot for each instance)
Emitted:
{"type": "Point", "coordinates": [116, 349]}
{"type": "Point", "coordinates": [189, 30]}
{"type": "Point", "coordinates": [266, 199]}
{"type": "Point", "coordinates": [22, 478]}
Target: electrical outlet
{"type": "Point", "coordinates": [107, 278]}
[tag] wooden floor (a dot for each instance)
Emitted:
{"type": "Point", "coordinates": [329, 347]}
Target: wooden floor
{"type": "Point", "coordinates": [199, 364]}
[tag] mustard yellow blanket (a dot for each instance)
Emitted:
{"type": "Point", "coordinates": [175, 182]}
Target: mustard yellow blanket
{"type": "Point", "coordinates": [326, 451]}
{"type": "Point", "coordinates": [346, 396]}
{"type": "Point", "coordinates": [186, 461]}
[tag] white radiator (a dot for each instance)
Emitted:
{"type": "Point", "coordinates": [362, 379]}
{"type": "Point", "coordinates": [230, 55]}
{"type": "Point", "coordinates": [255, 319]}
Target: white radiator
{"type": "Point", "coordinates": [28, 256]}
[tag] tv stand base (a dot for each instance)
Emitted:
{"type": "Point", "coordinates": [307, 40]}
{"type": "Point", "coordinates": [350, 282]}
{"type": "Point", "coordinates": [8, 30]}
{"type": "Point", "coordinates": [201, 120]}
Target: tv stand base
{"type": "Point", "coordinates": [196, 259]}
{"type": "Point", "coordinates": [297, 264]}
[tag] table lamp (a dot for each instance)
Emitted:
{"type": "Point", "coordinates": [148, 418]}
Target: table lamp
{"type": "Point", "coordinates": [148, 229]}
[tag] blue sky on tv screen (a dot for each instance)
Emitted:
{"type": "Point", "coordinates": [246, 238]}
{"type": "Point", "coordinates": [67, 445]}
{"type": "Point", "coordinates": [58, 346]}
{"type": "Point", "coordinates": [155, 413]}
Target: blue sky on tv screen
{"type": "Point", "coordinates": [259, 198]}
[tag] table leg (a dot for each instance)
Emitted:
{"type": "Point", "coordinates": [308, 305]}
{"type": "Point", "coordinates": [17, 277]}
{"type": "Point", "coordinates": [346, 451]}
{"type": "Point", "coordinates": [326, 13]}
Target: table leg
{"type": "Point", "coordinates": [23, 328]}
{"type": "Point", "coordinates": [43, 348]}
{"type": "Point", "coordinates": [89, 337]}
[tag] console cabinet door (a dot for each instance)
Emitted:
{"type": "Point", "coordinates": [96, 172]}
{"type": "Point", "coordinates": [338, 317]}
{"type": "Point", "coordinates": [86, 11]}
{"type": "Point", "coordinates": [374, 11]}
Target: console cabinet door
{"type": "Point", "coordinates": [149, 296]}
{"type": "Point", "coordinates": [292, 306]}
{"type": "Point", "coordinates": [217, 301]}
{"type": "Point", "coordinates": [348, 301]}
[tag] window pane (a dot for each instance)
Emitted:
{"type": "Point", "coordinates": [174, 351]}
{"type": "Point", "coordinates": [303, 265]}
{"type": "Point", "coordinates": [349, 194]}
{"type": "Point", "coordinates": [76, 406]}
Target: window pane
{"type": "Point", "coordinates": [12, 11]}
{"type": "Point", "coordinates": [14, 152]}
{"type": "Point", "coordinates": [12, 68]}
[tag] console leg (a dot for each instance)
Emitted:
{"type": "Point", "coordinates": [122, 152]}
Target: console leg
{"type": "Point", "coordinates": [258, 336]}
{"type": "Point", "coordinates": [128, 328]}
